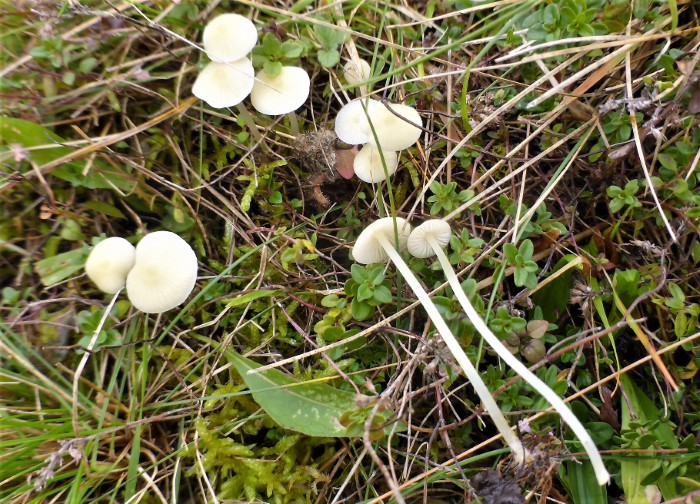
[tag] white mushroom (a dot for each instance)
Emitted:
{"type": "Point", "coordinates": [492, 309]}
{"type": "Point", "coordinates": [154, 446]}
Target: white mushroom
{"type": "Point", "coordinates": [164, 273]}
{"type": "Point", "coordinates": [109, 262]}
{"type": "Point", "coordinates": [397, 126]}
{"type": "Point", "coordinates": [225, 84]}
{"type": "Point", "coordinates": [427, 240]}
{"type": "Point", "coordinates": [281, 94]}
{"type": "Point", "coordinates": [369, 167]}
{"type": "Point", "coordinates": [356, 72]}
{"type": "Point", "coordinates": [352, 123]}
{"type": "Point", "coordinates": [375, 244]}
{"type": "Point", "coordinates": [229, 37]}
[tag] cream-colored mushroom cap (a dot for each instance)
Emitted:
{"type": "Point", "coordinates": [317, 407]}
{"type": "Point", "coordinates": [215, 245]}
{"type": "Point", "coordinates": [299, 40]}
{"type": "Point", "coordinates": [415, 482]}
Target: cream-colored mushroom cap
{"type": "Point", "coordinates": [418, 242]}
{"type": "Point", "coordinates": [395, 132]}
{"type": "Point", "coordinates": [164, 273]}
{"type": "Point", "coordinates": [229, 37]}
{"type": "Point", "coordinates": [281, 94]}
{"type": "Point", "coordinates": [109, 262]}
{"type": "Point", "coordinates": [225, 84]}
{"type": "Point", "coordinates": [356, 72]}
{"type": "Point", "coordinates": [368, 164]}
{"type": "Point", "coordinates": [352, 123]}
{"type": "Point", "coordinates": [368, 249]}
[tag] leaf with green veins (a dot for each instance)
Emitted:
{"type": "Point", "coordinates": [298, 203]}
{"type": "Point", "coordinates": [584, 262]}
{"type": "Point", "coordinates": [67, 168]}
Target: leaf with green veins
{"type": "Point", "coordinates": [313, 409]}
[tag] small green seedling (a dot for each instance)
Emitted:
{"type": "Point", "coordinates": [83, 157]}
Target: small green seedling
{"type": "Point", "coordinates": [521, 258]}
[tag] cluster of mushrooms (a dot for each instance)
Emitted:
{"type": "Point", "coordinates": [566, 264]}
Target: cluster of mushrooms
{"type": "Point", "coordinates": [377, 243]}
{"type": "Point", "coordinates": [383, 129]}
{"type": "Point", "coordinates": [159, 273]}
{"type": "Point", "coordinates": [229, 78]}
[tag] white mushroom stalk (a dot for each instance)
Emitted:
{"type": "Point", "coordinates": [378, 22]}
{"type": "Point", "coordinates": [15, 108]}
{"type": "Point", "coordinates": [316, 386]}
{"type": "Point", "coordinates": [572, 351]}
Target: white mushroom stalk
{"type": "Point", "coordinates": [427, 240]}
{"type": "Point", "coordinates": [375, 244]}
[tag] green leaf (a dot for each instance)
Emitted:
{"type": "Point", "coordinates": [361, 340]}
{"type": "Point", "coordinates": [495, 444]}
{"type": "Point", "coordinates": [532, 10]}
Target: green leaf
{"type": "Point", "coordinates": [270, 44]}
{"type": "Point", "coordinates": [328, 37]}
{"type": "Point", "coordinates": [526, 249]}
{"type": "Point", "coordinates": [360, 311]}
{"type": "Point", "coordinates": [382, 294]}
{"type": "Point", "coordinates": [272, 68]}
{"type": "Point", "coordinates": [105, 209]}
{"type": "Point", "coordinates": [364, 293]}
{"type": "Point", "coordinates": [511, 252]}
{"type": "Point", "coordinates": [313, 409]}
{"type": "Point", "coordinates": [52, 270]}
{"type": "Point", "coordinates": [328, 58]}
{"type": "Point", "coordinates": [291, 49]}
{"type": "Point", "coordinates": [579, 478]}
{"type": "Point", "coordinates": [250, 297]}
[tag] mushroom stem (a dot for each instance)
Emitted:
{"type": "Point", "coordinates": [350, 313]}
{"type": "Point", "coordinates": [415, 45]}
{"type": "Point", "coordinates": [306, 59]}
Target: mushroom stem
{"type": "Point", "coordinates": [250, 122]}
{"type": "Point", "coordinates": [460, 356]}
{"type": "Point", "coordinates": [541, 387]}
{"type": "Point", "coordinates": [84, 359]}
{"type": "Point", "coordinates": [293, 123]}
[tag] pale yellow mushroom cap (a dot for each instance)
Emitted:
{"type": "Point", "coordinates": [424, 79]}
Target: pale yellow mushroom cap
{"type": "Point", "coordinates": [356, 72]}
{"type": "Point", "coordinates": [224, 84]}
{"type": "Point", "coordinates": [109, 262]}
{"type": "Point", "coordinates": [229, 37]}
{"type": "Point", "coordinates": [351, 123]}
{"type": "Point", "coordinates": [368, 164]}
{"type": "Point", "coordinates": [281, 94]}
{"type": "Point", "coordinates": [368, 249]}
{"type": "Point", "coordinates": [164, 273]}
{"type": "Point", "coordinates": [395, 132]}
{"type": "Point", "coordinates": [437, 229]}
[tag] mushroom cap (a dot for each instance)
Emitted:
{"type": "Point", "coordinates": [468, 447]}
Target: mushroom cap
{"type": "Point", "coordinates": [352, 124]}
{"type": "Point", "coordinates": [367, 248]}
{"type": "Point", "coordinates": [109, 262]}
{"type": "Point", "coordinates": [229, 37]}
{"type": "Point", "coordinates": [282, 94]}
{"type": "Point", "coordinates": [356, 71]}
{"type": "Point", "coordinates": [437, 229]}
{"type": "Point", "coordinates": [393, 132]}
{"type": "Point", "coordinates": [225, 84]}
{"type": "Point", "coordinates": [164, 273]}
{"type": "Point", "coordinates": [368, 164]}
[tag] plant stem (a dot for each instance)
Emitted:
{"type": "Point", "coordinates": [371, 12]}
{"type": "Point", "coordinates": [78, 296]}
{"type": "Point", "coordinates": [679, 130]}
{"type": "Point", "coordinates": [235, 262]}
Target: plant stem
{"type": "Point", "coordinates": [549, 395]}
{"type": "Point", "coordinates": [460, 356]}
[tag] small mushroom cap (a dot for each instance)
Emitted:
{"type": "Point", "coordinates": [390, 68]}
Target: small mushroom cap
{"type": "Point", "coordinates": [225, 84]}
{"type": "Point", "coordinates": [393, 132]}
{"type": "Point", "coordinates": [356, 72]}
{"type": "Point", "coordinates": [351, 123]}
{"type": "Point", "coordinates": [109, 262]}
{"type": "Point", "coordinates": [368, 164]}
{"type": "Point", "coordinates": [282, 94]}
{"type": "Point", "coordinates": [437, 229]}
{"type": "Point", "coordinates": [367, 248]}
{"type": "Point", "coordinates": [229, 37]}
{"type": "Point", "coordinates": [164, 273]}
